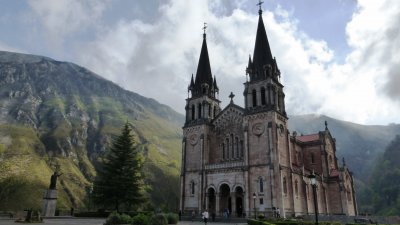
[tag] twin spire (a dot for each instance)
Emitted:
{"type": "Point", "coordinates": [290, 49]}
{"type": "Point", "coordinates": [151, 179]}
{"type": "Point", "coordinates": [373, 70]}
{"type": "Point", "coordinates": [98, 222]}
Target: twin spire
{"type": "Point", "coordinates": [261, 66]}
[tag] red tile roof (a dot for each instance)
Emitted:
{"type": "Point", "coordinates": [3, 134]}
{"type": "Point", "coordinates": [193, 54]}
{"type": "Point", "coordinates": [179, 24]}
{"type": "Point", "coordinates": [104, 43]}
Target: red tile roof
{"type": "Point", "coordinates": [308, 138]}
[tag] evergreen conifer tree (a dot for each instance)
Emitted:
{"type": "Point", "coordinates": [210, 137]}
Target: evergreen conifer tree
{"type": "Point", "coordinates": [119, 180]}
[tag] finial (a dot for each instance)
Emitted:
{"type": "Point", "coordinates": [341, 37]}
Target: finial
{"type": "Point", "coordinates": [259, 4]}
{"type": "Point", "coordinates": [344, 162]}
{"type": "Point", "coordinates": [204, 28]}
{"type": "Point", "coordinates": [231, 96]}
{"type": "Point", "coordinates": [326, 125]}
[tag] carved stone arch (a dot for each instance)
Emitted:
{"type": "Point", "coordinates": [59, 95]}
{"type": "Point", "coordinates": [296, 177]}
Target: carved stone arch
{"type": "Point", "coordinates": [238, 186]}
{"type": "Point", "coordinates": [222, 183]}
{"type": "Point", "coordinates": [211, 186]}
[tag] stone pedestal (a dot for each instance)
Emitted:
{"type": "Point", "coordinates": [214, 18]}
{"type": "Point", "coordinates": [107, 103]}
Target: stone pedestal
{"type": "Point", "coordinates": [49, 203]}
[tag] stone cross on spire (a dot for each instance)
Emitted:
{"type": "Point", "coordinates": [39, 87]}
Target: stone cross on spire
{"type": "Point", "coordinates": [231, 96]}
{"type": "Point", "coordinates": [204, 28]}
{"type": "Point", "coordinates": [259, 4]}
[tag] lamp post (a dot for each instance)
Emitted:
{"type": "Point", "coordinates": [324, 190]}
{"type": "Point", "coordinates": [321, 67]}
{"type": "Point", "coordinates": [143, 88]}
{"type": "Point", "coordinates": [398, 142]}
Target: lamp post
{"type": "Point", "coordinates": [314, 186]}
{"type": "Point", "coordinates": [254, 201]}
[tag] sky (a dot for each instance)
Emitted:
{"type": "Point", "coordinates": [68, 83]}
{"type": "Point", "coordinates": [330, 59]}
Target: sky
{"type": "Point", "coordinates": [340, 58]}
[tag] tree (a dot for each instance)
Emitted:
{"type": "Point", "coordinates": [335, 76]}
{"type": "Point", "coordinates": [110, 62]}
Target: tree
{"type": "Point", "coordinates": [382, 194]}
{"type": "Point", "coordinates": [119, 181]}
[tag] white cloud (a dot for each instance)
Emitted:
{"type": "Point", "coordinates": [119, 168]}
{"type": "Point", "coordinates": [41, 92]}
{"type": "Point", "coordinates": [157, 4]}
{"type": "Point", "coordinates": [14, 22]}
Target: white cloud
{"type": "Point", "coordinates": [156, 59]}
{"type": "Point", "coordinates": [63, 18]}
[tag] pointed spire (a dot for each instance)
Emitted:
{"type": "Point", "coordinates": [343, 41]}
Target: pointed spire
{"type": "Point", "coordinates": [215, 84]}
{"type": "Point", "coordinates": [262, 52]}
{"type": "Point", "coordinates": [249, 65]}
{"type": "Point", "coordinates": [191, 86]}
{"type": "Point", "coordinates": [203, 74]}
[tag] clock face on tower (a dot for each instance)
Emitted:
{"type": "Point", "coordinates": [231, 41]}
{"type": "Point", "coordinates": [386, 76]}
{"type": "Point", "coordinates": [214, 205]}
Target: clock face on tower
{"type": "Point", "coordinates": [258, 129]}
{"type": "Point", "coordinates": [193, 139]}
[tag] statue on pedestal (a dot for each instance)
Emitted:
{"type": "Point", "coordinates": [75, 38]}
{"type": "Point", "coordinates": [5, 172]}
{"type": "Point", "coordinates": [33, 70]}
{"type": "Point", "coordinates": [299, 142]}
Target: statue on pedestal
{"type": "Point", "coordinates": [50, 195]}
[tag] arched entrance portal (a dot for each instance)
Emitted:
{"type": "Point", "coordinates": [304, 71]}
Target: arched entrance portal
{"type": "Point", "coordinates": [225, 199]}
{"type": "Point", "coordinates": [239, 201]}
{"type": "Point", "coordinates": [211, 201]}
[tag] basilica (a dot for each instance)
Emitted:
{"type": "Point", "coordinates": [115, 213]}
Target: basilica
{"type": "Point", "coordinates": [245, 161]}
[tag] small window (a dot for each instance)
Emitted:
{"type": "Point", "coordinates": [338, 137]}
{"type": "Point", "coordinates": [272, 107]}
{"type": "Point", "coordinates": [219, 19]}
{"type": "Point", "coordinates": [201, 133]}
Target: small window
{"type": "Point", "coordinates": [223, 150]}
{"type": "Point", "coordinates": [284, 186]}
{"type": "Point", "coordinates": [199, 111]}
{"type": "Point", "coordinates": [254, 98]}
{"type": "Point", "coordinates": [192, 187]}
{"type": "Point", "coordinates": [263, 102]}
{"type": "Point", "coordinates": [237, 147]}
{"type": "Point", "coordinates": [261, 201]}
{"type": "Point", "coordinates": [312, 158]}
{"type": "Point", "coordinates": [296, 189]}
{"type": "Point", "coordinates": [233, 147]}
{"type": "Point", "coordinates": [241, 148]}
{"type": "Point", "coordinates": [227, 148]}
{"type": "Point", "coordinates": [193, 112]}
{"type": "Point", "coordinates": [261, 184]}
{"type": "Point", "coordinates": [215, 111]}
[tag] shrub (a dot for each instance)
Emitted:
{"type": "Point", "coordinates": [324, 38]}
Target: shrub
{"type": "Point", "coordinates": [261, 216]}
{"type": "Point", "coordinates": [172, 218]}
{"type": "Point", "coordinates": [290, 222]}
{"type": "Point", "coordinates": [116, 218]}
{"type": "Point", "coordinates": [159, 219]}
{"type": "Point", "coordinates": [257, 222]}
{"type": "Point", "coordinates": [140, 219]}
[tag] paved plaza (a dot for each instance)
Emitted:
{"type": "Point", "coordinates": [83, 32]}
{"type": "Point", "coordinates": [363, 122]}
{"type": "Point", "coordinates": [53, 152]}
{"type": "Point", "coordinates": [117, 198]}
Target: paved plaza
{"type": "Point", "coordinates": [97, 221]}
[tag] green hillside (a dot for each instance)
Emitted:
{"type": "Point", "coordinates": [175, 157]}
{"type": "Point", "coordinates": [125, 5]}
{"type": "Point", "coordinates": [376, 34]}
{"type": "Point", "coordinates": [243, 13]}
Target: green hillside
{"type": "Point", "coordinates": [381, 195]}
{"type": "Point", "coordinates": [55, 112]}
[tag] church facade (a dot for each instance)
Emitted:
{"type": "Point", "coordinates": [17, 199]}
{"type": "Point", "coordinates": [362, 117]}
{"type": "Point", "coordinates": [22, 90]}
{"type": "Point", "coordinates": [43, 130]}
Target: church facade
{"type": "Point", "coordinates": [245, 160]}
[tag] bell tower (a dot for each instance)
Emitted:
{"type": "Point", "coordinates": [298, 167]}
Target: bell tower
{"type": "Point", "coordinates": [263, 90]}
{"type": "Point", "coordinates": [265, 120]}
{"type": "Point", "coordinates": [202, 104]}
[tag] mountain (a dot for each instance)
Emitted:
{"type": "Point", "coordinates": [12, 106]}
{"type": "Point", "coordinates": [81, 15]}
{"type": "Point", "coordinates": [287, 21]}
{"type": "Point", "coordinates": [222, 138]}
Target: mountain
{"type": "Point", "coordinates": [54, 112]}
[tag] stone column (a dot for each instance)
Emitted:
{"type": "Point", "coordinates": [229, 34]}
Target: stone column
{"type": "Point", "coordinates": [233, 203]}
{"type": "Point", "coordinates": [207, 201]}
{"type": "Point", "coordinates": [217, 203]}
{"type": "Point", "coordinates": [49, 203]}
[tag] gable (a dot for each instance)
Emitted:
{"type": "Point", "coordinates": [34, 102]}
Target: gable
{"type": "Point", "coordinates": [230, 117]}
